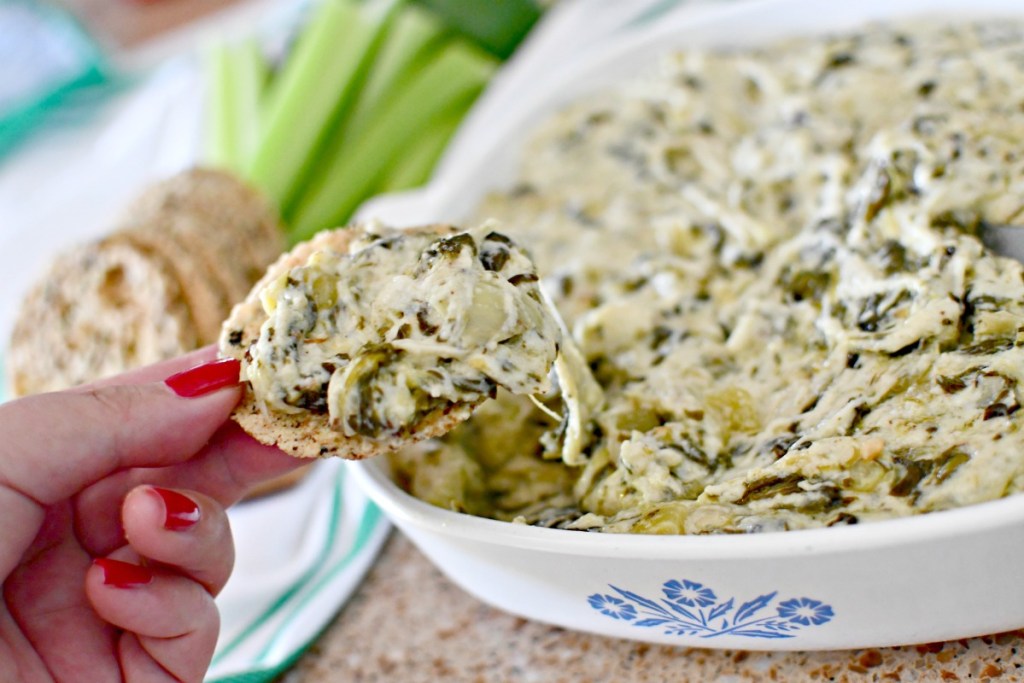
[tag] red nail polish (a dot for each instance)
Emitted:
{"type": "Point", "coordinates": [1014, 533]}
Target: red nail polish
{"type": "Point", "coordinates": [204, 379]}
{"type": "Point", "coordinates": [123, 574]}
{"type": "Point", "coordinates": [181, 512]}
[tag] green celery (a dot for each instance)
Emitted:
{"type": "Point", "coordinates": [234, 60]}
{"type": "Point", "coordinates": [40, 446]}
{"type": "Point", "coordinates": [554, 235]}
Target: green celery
{"type": "Point", "coordinates": [221, 144]}
{"type": "Point", "coordinates": [496, 25]}
{"type": "Point", "coordinates": [251, 75]}
{"type": "Point", "coordinates": [236, 75]}
{"type": "Point", "coordinates": [412, 40]}
{"type": "Point", "coordinates": [458, 72]}
{"type": "Point", "coordinates": [415, 166]}
{"type": "Point", "coordinates": [315, 90]}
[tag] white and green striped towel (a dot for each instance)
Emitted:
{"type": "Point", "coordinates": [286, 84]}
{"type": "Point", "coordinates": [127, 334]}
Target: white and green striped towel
{"type": "Point", "coordinates": [300, 555]}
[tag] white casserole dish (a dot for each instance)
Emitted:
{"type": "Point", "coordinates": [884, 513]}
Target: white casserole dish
{"type": "Point", "coordinates": [936, 577]}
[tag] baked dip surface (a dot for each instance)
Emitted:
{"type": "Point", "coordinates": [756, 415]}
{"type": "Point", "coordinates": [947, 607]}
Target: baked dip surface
{"type": "Point", "coordinates": [768, 259]}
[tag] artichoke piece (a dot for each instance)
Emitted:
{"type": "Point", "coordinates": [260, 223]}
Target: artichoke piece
{"type": "Point", "coordinates": [487, 315]}
{"type": "Point", "coordinates": [666, 519]}
{"type": "Point", "coordinates": [371, 398]}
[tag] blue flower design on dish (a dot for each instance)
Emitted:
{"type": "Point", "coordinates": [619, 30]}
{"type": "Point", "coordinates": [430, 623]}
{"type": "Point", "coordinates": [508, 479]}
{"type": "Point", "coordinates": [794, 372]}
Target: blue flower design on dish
{"type": "Point", "coordinates": [613, 607]}
{"type": "Point", "coordinates": [805, 611]}
{"type": "Point", "coordinates": [689, 593]}
{"type": "Point", "coordinates": [693, 609]}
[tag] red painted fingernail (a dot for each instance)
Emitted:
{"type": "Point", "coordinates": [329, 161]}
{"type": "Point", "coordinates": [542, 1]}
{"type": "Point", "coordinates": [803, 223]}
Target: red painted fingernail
{"type": "Point", "coordinates": [181, 512]}
{"type": "Point", "coordinates": [122, 574]}
{"type": "Point", "coordinates": [204, 379]}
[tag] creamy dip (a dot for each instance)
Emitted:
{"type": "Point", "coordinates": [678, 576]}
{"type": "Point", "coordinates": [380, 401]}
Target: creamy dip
{"type": "Point", "coordinates": [399, 325]}
{"type": "Point", "coordinates": [768, 260]}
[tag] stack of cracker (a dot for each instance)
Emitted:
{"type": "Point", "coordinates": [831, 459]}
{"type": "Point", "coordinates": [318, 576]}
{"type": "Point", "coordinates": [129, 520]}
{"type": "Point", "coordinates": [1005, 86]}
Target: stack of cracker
{"type": "Point", "coordinates": [160, 285]}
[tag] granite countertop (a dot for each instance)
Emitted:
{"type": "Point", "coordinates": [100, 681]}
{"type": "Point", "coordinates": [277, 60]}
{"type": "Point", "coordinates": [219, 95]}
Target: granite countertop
{"type": "Point", "coordinates": [407, 623]}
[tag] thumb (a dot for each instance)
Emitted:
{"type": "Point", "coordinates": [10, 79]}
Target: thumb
{"type": "Point", "coordinates": [56, 444]}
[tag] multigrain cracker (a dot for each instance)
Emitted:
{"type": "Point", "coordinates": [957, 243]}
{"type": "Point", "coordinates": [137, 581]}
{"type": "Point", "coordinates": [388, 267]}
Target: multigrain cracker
{"type": "Point", "coordinates": [205, 298]}
{"type": "Point", "coordinates": [249, 238]}
{"type": "Point", "coordinates": [100, 309]}
{"type": "Point", "coordinates": [207, 237]}
{"type": "Point", "coordinates": [310, 436]}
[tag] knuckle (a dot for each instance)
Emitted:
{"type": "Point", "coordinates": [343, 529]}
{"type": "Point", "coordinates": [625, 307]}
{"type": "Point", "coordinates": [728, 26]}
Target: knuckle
{"type": "Point", "coordinates": [113, 406]}
{"type": "Point", "coordinates": [112, 402]}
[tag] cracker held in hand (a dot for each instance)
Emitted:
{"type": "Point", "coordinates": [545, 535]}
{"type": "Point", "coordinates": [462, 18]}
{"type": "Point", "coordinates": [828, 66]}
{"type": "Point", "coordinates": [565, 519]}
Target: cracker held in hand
{"type": "Point", "coordinates": [369, 338]}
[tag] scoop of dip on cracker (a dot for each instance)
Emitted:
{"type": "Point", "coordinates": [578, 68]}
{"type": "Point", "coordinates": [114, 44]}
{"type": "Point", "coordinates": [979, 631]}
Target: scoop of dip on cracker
{"type": "Point", "coordinates": [370, 337]}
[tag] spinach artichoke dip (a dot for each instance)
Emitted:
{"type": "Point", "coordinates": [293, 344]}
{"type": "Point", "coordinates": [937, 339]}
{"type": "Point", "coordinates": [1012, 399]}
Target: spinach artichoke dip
{"type": "Point", "coordinates": [769, 261]}
{"type": "Point", "coordinates": [399, 326]}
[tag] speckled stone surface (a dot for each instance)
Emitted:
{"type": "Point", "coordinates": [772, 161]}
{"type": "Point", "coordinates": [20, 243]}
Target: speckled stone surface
{"type": "Point", "coordinates": [409, 624]}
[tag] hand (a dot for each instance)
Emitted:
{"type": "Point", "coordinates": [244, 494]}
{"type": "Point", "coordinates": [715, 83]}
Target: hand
{"type": "Point", "coordinates": [113, 536]}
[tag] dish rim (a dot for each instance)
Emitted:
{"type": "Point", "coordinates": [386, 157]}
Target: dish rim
{"type": "Point", "coordinates": [942, 525]}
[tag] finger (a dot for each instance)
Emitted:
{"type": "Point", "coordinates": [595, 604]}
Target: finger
{"type": "Point", "coordinates": [44, 596]}
{"type": "Point", "coordinates": [184, 530]}
{"type": "Point", "coordinates": [236, 462]}
{"type": "Point", "coordinates": [173, 617]}
{"type": "Point", "coordinates": [225, 469]}
{"type": "Point", "coordinates": [56, 444]}
{"type": "Point", "coordinates": [138, 665]}
{"type": "Point", "coordinates": [155, 372]}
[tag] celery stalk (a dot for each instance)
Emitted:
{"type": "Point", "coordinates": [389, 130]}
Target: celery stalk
{"type": "Point", "coordinates": [250, 76]}
{"type": "Point", "coordinates": [410, 44]}
{"type": "Point", "coordinates": [315, 90]}
{"type": "Point", "coordinates": [459, 71]}
{"type": "Point", "coordinates": [235, 78]}
{"type": "Point", "coordinates": [497, 25]}
{"type": "Point", "coordinates": [412, 40]}
{"type": "Point", "coordinates": [220, 143]}
{"type": "Point", "coordinates": [416, 164]}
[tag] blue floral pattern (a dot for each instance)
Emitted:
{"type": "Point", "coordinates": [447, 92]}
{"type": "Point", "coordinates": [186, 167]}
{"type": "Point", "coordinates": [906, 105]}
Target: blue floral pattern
{"type": "Point", "coordinates": [689, 593]}
{"type": "Point", "coordinates": [805, 611]}
{"type": "Point", "coordinates": [689, 608]}
{"type": "Point", "coordinates": [613, 607]}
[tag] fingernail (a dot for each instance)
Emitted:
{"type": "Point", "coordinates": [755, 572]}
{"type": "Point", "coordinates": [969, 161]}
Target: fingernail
{"type": "Point", "coordinates": [204, 379]}
{"type": "Point", "coordinates": [180, 511]}
{"type": "Point", "coordinates": [122, 574]}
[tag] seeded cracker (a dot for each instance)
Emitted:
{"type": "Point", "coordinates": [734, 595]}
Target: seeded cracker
{"type": "Point", "coordinates": [159, 285]}
{"type": "Point", "coordinates": [204, 297]}
{"type": "Point", "coordinates": [100, 310]}
{"type": "Point", "coordinates": [248, 237]}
